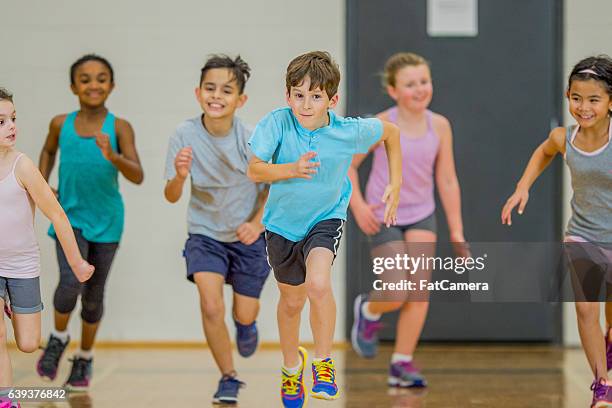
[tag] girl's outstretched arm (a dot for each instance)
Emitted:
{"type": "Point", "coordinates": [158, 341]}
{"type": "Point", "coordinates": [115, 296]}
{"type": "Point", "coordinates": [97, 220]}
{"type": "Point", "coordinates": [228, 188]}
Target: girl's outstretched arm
{"type": "Point", "coordinates": [446, 180]}
{"type": "Point", "coordinates": [46, 160]}
{"type": "Point", "coordinates": [43, 197]}
{"type": "Point", "coordinates": [540, 159]}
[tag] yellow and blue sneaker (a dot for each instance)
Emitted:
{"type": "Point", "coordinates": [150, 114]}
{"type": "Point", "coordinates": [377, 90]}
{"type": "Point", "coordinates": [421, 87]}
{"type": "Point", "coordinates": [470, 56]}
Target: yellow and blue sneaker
{"type": "Point", "coordinates": [293, 390]}
{"type": "Point", "coordinates": [324, 380]}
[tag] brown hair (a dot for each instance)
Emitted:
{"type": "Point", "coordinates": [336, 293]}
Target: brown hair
{"type": "Point", "coordinates": [399, 61]}
{"type": "Point", "coordinates": [319, 66]}
{"type": "Point", "coordinates": [5, 95]}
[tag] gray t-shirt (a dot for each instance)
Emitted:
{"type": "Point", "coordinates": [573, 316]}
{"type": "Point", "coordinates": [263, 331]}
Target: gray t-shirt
{"type": "Point", "coordinates": [222, 196]}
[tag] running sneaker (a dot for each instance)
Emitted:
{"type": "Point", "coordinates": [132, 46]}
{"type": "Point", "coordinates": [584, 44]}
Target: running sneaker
{"type": "Point", "coordinates": [80, 375]}
{"type": "Point", "coordinates": [602, 394]}
{"type": "Point", "coordinates": [405, 374]}
{"type": "Point", "coordinates": [364, 334]}
{"type": "Point", "coordinates": [324, 380]}
{"type": "Point", "coordinates": [48, 362]}
{"type": "Point", "coordinates": [227, 392]}
{"type": "Point", "coordinates": [246, 338]}
{"type": "Point", "coordinates": [293, 390]}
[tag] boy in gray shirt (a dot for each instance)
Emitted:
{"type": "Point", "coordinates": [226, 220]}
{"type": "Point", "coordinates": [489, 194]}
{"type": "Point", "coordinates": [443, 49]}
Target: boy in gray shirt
{"type": "Point", "coordinates": [225, 242]}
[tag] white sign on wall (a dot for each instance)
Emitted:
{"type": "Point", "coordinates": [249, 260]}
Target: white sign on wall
{"type": "Point", "coordinates": [452, 18]}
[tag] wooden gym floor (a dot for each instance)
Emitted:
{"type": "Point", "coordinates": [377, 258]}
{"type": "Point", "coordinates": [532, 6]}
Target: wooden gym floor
{"type": "Point", "coordinates": [500, 376]}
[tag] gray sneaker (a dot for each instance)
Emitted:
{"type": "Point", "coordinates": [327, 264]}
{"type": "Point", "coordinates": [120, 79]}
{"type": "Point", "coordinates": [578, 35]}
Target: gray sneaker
{"type": "Point", "coordinates": [405, 374]}
{"type": "Point", "coordinates": [227, 392]}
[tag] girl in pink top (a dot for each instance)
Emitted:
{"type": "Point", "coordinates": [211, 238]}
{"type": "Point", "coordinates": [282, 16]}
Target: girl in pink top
{"type": "Point", "coordinates": [427, 159]}
{"type": "Point", "coordinates": [22, 188]}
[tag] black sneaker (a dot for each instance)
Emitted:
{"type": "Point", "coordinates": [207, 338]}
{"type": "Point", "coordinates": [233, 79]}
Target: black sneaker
{"type": "Point", "coordinates": [227, 392]}
{"type": "Point", "coordinates": [80, 375]}
{"type": "Point", "coordinates": [48, 362]}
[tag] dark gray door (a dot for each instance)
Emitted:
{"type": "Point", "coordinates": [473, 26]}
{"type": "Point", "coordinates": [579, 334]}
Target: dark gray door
{"type": "Point", "coordinates": [501, 90]}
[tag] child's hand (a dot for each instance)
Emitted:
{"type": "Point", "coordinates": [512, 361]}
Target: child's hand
{"type": "Point", "coordinates": [391, 199]}
{"type": "Point", "coordinates": [249, 232]}
{"type": "Point", "coordinates": [304, 167]}
{"type": "Point", "coordinates": [520, 198]}
{"type": "Point", "coordinates": [82, 270]}
{"type": "Point", "coordinates": [182, 162]}
{"type": "Point", "coordinates": [460, 247]}
{"type": "Point", "coordinates": [364, 215]}
{"type": "Point", "coordinates": [103, 142]}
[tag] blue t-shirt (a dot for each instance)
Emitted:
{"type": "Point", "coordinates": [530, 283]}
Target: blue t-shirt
{"type": "Point", "coordinates": [295, 205]}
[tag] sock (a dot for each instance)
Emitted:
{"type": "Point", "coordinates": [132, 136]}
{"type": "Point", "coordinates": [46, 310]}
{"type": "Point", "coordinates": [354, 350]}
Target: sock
{"type": "Point", "coordinates": [367, 314]}
{"type": "Point", "coordinates": [318, 360]}
{"type": "Point", "coordinates": [62, 335]}
{"type": "Point", "coordinates": [292, 371]}
{"type": "Point", "coordinates": [397, 357]}
{"type": "Point", "coordinates": [86, 354]}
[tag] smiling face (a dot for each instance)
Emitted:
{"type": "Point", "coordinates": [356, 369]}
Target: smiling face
{"type": "Point", "coordinates": [92, 84]}
{"type": "Point", "coordinates": [8, 125]}
{"type": "Point", "coordinates": [413, 89]}
{"type": "Point", "coordinates": [219, 94]}
{"type": "Point", "coordinates": [310, 106]}
{"type": "Point", "coordinates": [589, 102]}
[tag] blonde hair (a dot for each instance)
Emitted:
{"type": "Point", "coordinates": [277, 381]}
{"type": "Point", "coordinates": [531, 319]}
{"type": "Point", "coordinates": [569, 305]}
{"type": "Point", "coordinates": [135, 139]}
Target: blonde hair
{"type": "Point", "coordinates": [399, 61]}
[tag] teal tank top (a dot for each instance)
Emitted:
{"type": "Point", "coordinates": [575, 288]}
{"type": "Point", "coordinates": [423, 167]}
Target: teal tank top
{"type": "Point", "coordinates": [88, 184]}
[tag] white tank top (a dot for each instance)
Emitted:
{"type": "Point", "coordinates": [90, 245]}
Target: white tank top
{"type": "Point", "coordinates": [19, 253]}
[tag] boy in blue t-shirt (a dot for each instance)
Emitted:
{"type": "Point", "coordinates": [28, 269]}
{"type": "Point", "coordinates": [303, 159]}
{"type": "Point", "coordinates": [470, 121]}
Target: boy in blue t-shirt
{"type": "Point", "coordinates": [225, 242]}
{"type": "Point", "coordinates": [305, 151]}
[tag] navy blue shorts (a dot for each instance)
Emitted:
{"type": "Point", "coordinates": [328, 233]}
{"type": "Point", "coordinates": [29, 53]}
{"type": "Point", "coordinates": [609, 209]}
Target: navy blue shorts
{"type": "Point", "coordinates": [245, 267]}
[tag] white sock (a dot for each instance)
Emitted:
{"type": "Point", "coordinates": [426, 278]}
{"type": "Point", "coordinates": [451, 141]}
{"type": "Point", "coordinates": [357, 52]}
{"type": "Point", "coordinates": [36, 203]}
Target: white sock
{"type": "Point", "coordinates": [397, 357]}
{"type": "Point", "coordinates": [86, 354]}
{"type": "Point", "coordinates": [369, 315]}
{"type": "Point", "coordinates": [294, 370]}
{"type": "Point", "coordinates": [62, 335]}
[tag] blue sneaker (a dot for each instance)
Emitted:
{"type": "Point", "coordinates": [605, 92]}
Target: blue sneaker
{"type": "Point", "coordinates": [405, 374]}
{"type": "Point", "coordinates": [246, 338]}
{"type": "Point", "coordinates": [227, 392]}
{"type": "Point", "coordinates": [364, 334]}
{"type": "Point", "coordinates": [293, 390]}
{"type": "Point", "coordinates": [324, 380]}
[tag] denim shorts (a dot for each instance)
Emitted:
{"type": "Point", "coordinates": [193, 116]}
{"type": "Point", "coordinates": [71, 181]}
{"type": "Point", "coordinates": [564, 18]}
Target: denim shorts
{"type": "Point", "coordinates": [244, 267]}
{"type": "Point", "coordinates": [24, 294]}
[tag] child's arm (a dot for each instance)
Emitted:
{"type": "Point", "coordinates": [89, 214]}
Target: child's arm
{"type": "Point", "coordinates": [363, 212]}
{"type": "Point", "coordinates": [127, 162]}
{"type": "Point", "coordinates": [446, 180]}
{"type": "Point", "coordinates": [251, 230]}
{"type": "Point", "coordinates": [182, 165]}
{"type": "Point", "coordinates": [43, 197]}
{"type": "Point", "coordinates": [261, 171]}
{"type": "Point", "coordinates": [391, 139]}
{"type": "Point", "coordinates": [540, 159]}
{"type": "Point", "coordinates": [46, 160]}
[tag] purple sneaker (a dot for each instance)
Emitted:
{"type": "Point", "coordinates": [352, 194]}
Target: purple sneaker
{"type": "Point", "coordinates": [8, 403]}
{"type": "Point", "coordinates": [602, 394]}
{"type": "Point", "coordinates": [364, 334]}
{"type": "Point", "coordinates": [405, 374]}
{"type": "Point", "coordinates": [48, 362]}
{"type": "Point", "coordinates": [80, 375]}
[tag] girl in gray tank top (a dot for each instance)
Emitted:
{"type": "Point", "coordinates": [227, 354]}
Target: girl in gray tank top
{"type": "Point", "coordinates": [587, 149]}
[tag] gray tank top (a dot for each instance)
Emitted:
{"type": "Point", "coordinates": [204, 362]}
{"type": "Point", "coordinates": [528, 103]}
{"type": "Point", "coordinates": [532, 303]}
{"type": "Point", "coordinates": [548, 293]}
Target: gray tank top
{"type": "Point", "coordinates": [591, 173]}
